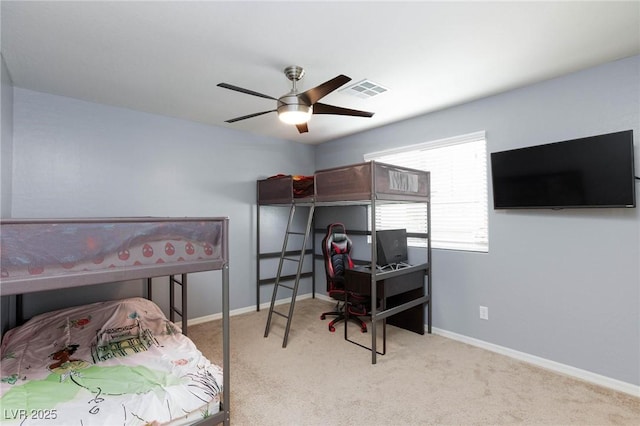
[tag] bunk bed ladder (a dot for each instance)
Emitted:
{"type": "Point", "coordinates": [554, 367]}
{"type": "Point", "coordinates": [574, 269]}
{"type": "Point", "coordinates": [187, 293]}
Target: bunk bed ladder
{"type": "Point", "coordinates": [299, 260]}
{"type": "Point", "coordinates": [173, 309]}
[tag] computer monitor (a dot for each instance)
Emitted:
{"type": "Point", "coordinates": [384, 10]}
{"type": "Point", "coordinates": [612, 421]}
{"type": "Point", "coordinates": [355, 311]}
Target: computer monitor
{"type": "Point", "coordinates": [391, 247]}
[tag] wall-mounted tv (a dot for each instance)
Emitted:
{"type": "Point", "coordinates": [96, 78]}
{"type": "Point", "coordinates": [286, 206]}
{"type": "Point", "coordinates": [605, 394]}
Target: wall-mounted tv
{"type": "Point", "coordinates": [595, 171]}
{"type": "Point", "coordinates": [391, 247]}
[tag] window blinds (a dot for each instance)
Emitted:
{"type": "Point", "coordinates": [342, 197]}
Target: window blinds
{"type": "Point", "coordinates": [458, 169]}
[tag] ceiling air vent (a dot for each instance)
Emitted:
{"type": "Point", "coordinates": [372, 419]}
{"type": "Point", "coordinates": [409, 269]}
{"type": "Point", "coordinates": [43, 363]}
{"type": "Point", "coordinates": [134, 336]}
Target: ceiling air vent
{"type": "Point", "coordinates": [364, 89]}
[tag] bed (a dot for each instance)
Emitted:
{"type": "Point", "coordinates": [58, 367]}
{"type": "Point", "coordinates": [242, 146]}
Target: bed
{"type": "Point", "coordinates": [115, 362]}
{"type": "Point", "coordinates": [368, 184]}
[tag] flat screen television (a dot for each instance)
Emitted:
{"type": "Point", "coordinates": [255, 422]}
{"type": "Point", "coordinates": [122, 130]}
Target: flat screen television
{"type": "Point", "coordinates": [391, 247]}
{"type": "Point", "coordinates": [595, 171]}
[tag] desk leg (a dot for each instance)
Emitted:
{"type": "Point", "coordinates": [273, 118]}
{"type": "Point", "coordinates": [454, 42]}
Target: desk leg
{"type": "Point", "coordinates": [346, 316]}
{"type": "Point", "coordinates": [384, 327]}
{"type": "Point", "coordinates": [373, 329]}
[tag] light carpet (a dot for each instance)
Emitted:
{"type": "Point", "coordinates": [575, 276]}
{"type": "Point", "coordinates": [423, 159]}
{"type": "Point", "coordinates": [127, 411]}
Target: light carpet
{"type": "Point", "coordinates": [321, 379]}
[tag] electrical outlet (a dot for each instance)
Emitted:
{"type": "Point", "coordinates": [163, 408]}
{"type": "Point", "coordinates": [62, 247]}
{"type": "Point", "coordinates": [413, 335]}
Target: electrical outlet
{"type": "Point", "coordinates": [484, 313]}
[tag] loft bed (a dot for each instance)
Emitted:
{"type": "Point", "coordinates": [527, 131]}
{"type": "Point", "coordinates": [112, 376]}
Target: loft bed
{"type": "Point", "coordinates": [369, 184]}
{"type": "Point", "coordinates": [116, 362]}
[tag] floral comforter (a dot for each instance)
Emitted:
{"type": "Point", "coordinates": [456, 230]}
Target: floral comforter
{"type": "Point", "coordinates": [119, 362]}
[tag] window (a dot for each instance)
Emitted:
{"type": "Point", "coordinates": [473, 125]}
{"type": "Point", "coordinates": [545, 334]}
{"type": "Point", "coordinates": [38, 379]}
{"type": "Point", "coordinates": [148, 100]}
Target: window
{"type": "Point", "coordinates": [458, 169]}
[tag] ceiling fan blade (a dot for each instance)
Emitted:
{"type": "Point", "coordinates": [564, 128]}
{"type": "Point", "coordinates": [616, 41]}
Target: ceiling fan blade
{"type": "Point", "coordinates": [244, 117]}
{"type": "Point", "coordinates": [247, 91]}
{"type": "Point", "coordinates": [330, 109]}
{"type": "Point", "coordinates": [314, 95]}
{"type": "Point", "coordinates": [302, 128]}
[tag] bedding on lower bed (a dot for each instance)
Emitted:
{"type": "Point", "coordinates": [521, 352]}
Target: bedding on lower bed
{"type": "Point", "coordinates": [119, 362]}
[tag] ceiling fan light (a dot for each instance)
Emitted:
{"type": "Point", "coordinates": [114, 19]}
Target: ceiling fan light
{"type": "Point", "coordinates": [294, 113]}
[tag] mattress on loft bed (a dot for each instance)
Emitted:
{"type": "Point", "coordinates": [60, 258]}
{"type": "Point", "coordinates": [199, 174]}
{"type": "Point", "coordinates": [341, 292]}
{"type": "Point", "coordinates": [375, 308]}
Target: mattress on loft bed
{"type": "Point", "coordinates": [118, 362]}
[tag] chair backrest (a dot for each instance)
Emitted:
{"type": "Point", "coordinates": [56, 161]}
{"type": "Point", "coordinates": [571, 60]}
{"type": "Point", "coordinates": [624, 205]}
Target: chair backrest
{"type": "Point", "coordinates": [336, 250]}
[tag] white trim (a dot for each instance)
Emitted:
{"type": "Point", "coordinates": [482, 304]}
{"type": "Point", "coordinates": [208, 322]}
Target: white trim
{"type": "Point", "coordinates": [325, 298]}
{"type": "Point", "coordinates": [557, 367]}
{"type": "Point", "coordinates": [213, 317]}
{"type": "Point", "coordinates": [453, 140]}
{"type": "Point", "coordinates": [207, 318]}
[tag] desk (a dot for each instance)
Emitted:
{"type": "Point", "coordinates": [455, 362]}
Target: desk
{"type": "Point", "coordinates": [402, 294]}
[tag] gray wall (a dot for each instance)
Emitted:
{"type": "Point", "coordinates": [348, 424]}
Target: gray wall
{"type": "Point", "coordinates": [74, 158]}
{"type": "Point", "coordinates": [6, 170]}
{"type": "Point", "coordinates": [561, 285]}
{"type": "Point", "coordinates": [6, 138]}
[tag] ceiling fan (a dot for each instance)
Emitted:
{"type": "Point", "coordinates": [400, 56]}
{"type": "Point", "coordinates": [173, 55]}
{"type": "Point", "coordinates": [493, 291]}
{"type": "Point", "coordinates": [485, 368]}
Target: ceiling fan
{"type": "Point", "coordinates": [297, 108]}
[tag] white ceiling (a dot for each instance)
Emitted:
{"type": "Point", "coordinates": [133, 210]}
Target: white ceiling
{"type": "Point", "coordinates": [167, 57]}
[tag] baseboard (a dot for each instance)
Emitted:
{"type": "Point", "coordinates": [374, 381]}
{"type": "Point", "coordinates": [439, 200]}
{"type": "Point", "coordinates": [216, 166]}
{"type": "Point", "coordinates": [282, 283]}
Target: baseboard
{"type": "Point", "coordinates": [325, 298]}
{"type": "Point", "coordinates": [557, 367]}
{"type": "Point", "coordinates": [207, 318]}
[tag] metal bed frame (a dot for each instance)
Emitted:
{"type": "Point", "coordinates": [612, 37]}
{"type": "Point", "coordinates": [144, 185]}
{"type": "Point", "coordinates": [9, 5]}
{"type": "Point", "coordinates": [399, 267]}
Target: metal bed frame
{"type": "Point", "coordinates": [20, 285]}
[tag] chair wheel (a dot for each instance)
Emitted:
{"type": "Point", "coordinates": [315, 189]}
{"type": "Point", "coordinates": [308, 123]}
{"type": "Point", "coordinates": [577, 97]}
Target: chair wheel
{"type": "Point", "coordinates": [363, 329]}
{"type": "Point", "coordinates": [323, 316]}
{"type": "Point", "coordinates": [332, 328]}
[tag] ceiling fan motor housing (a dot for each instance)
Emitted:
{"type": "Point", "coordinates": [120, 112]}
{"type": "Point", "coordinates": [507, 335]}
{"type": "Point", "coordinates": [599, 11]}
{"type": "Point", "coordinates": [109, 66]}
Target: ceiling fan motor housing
{"type": "Point", "coordinates": [293, 110]}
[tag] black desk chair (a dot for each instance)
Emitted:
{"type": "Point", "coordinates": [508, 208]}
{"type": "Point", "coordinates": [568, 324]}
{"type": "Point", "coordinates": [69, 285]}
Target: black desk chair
{"type": "Point", "coordinates": [336, 250]}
